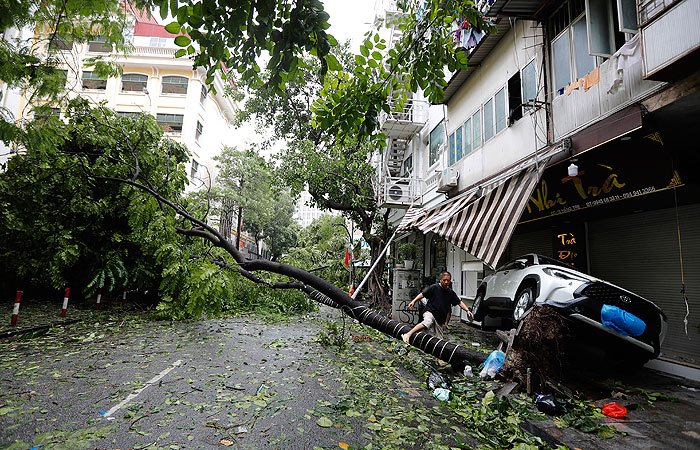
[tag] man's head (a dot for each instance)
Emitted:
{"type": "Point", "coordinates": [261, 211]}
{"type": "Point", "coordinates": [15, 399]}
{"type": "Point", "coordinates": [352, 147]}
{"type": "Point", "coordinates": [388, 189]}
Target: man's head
{"type": "Point", "coordinates": [445, 280]}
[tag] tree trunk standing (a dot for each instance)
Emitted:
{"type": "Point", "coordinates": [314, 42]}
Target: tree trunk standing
{"type": "Point", "coordinates": [377, 293]}
{"type": "Point", "coordinates": [226, 222]}
{"type": "Point", "coordinates": [239, 226]}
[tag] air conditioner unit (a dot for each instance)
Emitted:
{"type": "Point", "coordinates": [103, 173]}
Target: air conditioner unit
{"type": "Point", "coordinates": [398, 192]}
{"type": "Point", "coordinates": [448, 179]}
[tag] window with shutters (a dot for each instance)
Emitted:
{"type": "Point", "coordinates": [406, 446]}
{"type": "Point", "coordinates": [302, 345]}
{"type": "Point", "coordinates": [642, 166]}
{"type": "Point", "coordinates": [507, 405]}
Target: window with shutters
{"type": "Point", "coordinates": [99, 45]}
{"type": "Point", "coordinates": [134, 82]}
{"type": "Point", "coordinates": [92, 81]}
{"type": "Point", "coordinates": [174, 85]}
{"type": "Point", "coordinates": [170, 123]}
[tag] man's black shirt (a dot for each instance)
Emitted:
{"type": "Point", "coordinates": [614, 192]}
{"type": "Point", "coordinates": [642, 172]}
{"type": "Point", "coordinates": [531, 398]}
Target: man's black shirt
{"type": "Point", "coordinates": [440, 301]}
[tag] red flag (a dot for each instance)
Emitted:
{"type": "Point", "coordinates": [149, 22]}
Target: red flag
{"type": "Point", "coordinates": [346, 261]}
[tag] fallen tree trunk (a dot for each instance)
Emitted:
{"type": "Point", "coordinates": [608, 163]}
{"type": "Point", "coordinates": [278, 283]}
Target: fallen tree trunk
{"type": "Point", "coordinates": [455, 354]}
{"type": "Point", "coordinates": [314, 286]}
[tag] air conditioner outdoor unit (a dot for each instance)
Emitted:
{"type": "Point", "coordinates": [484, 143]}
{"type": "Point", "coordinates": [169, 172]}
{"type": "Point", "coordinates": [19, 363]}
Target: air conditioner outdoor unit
{"type": "Point", "coordinates": [448, 179]}
{"type": "Point", "coordinates": [398, 192]}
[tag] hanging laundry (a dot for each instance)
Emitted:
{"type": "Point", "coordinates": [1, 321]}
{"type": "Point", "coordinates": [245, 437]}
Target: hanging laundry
{"type": "Point", "coordinates": [591, 78]}
{"type": "Point", "coordinates": [627, 56]}
{"type": "Point", "coordinates": [573, 86]}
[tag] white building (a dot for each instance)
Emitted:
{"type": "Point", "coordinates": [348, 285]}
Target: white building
{"type": "Point", "coordinates": [304, 213]}
{"type": "Point", "coordinates": [155, 82]}
{"type": "Point", "coordinates": [608, 87]}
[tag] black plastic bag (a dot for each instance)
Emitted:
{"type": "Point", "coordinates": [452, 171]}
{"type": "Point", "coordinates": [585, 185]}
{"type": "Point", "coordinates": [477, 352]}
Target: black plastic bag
{"type": "Point", "coordinates": [436, 380]}
{"type": "Point", "coordinates": [548, 404]}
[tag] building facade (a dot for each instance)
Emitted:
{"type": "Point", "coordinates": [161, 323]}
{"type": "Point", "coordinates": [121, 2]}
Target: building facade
{"type": "Point", "coordinates": [154, 82]}
{"type": "Point", "coordinates": [594, 102]}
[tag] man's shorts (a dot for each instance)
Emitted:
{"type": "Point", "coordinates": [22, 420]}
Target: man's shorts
{"type": "Point", "coordinates": [430, 323]}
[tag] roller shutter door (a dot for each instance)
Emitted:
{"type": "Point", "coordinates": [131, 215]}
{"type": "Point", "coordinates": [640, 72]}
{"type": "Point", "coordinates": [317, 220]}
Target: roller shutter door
{"type": "Point", "coordinates": [640, 253]}
{"type": "Point", "coordinates": [539, 241]}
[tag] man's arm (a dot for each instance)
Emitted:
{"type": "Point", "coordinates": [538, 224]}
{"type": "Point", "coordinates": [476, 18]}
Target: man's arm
{"type": "Point", "coordinates": [470, 314]}
{"type": "Point", "coordinates": [418, 298]}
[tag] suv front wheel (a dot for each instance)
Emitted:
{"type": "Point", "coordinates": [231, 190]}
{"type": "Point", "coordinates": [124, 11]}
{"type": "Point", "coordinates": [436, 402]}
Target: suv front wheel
{"type": "Point", "coordinates": [523, 301]}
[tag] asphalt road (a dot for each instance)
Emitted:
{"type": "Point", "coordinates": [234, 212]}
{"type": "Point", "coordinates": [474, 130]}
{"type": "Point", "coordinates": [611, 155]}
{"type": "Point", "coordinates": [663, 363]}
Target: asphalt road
{"type": "Point", "coordinates": [115, 380]}
{"type": "Point", "coordinates": [109, 382]}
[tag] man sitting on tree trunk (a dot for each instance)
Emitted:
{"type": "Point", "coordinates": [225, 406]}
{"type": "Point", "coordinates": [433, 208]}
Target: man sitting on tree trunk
{"type": "Point", "coordinates": [438, 310]}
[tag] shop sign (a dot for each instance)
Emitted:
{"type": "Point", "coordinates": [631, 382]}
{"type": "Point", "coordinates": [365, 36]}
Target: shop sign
{"type": "Point", "coordinates": [602, 178]}
{"type": "Point", "coordinates": [569, 246]}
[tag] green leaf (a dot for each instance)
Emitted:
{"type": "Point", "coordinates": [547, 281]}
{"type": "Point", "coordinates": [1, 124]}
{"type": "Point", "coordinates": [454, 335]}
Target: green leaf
{"type": "Point", "coordinates": [360, 60]}
{"type": "Point", "coordinates": [333, 63]}
{"type": "Point", "coordinates": [173, 28]}
{"type": "Point", "coordinates": [180, 53]}
{"type": "Point", "coordinates": [324, 422]}
{"type": "Point", "coordinates": [364, 51]}
{"type": "Point", "coordinates": [182, 41]}
{"type": "Point", "coordinates": [376, 55]}
{"type": "Point", "coordinates": [488, 398]}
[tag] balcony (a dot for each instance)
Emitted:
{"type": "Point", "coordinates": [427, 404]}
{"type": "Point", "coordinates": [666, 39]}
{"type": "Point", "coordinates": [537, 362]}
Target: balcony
{"type": "Point", "coordinates": [405, 122]}
{"type": "Point", "coordinates": [580, 108]}
{"type": "Point", "coordinates": [399, 192]}
{"type": "Point", "coordinates": [670, 38]}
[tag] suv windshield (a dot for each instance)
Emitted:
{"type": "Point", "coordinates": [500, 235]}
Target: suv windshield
{"type": "Point", "coordinates": [552, 261]}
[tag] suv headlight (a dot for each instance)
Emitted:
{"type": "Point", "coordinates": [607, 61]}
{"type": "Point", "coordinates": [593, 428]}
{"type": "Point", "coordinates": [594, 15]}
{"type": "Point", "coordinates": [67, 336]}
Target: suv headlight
{"type": "Point", "coordinates": [563, 274]}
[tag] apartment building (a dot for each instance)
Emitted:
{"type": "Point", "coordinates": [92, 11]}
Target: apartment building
{"type": "Point", "coordinates": [153, 82]}
{"type": "Point", "coordinates": [569, 135]}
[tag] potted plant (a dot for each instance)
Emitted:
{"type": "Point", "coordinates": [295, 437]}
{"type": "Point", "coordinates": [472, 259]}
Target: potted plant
{"type": "Point", "coordinates": [407, 252]}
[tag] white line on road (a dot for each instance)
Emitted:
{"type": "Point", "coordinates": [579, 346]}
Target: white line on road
{"type": "Point", "coordinates": [133, 395]}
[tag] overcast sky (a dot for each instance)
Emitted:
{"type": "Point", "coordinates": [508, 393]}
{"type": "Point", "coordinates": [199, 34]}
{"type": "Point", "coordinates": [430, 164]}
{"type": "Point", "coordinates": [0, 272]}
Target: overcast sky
{"type": "Point", "coordinates": [350, 19]}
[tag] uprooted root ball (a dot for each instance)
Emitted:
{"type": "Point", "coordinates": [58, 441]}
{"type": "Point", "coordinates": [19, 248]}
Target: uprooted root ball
{"type": "Point", "coordinates": [540, 345]}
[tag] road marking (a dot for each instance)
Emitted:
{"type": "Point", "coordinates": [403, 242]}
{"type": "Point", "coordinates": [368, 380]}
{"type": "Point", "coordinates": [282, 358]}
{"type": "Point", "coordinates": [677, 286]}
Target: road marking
{"type": "Point", "coordinates": [133, 395]}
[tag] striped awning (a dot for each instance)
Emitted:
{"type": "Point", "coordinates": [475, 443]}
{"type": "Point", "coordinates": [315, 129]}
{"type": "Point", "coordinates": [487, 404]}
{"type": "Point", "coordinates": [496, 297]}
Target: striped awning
{"type": "Point", "coordinates": [480, 221]}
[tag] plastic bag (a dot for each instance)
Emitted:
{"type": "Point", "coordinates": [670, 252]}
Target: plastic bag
{"type": "Point", "coordinates": [441, 394]}
{"type": "Point", "coordinates": [493, 364]}
{"type": "Point", "coordinates": [622, 321]}
{"type": "Point", "coordinates": [435, 380]}
{"type": "Point", "coordinates": [548, 404]}
{"type": "Point", "coordinates": [614, 409]}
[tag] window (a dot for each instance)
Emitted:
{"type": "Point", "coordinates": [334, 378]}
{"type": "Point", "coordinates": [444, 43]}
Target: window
{"type": "Point", "coordinates": [408, 165]}
{"type": "Point", "coordinates": [99, 45]}
{"type": "Point", "coordinates": [467, 145]}
{"type": "Point", "coordinates": [584, 29]}
{"type": "Point", "coordinates": [194, 169]}
{"type": "Point", "coordinates": [203, 95]}
{"type": "Point", "coordinates": [458, 143]}
{"type": "Point", "coordinates": [451, 142]}
{"type": "Point", "coordinates": [198, 131]}
{"type": "Point", "coordinates": [170, 123]}
{"type": "Point", "coordinates": [158, 42]}
{"type": "Point", "coordinates": [131, 114]}
{"type": "Point", "coordinates": [93, 81]}
{"type": "Point", "coordinates": [522, 92]}
{"type": "Point", "coordinates": [583, 61]}
{"type": "Point", "coordinates": [437, 140]}
{"type": "Point", "coordinates": [59, 43]}
{"type": "Point", "coordinates": [476, 129]}
{"type": "Point", "coordinates": [134, 82]}
{"type": "Point", "coordinates": [174, 85]}
{"type": "Point", "coordinates": [529, 82]}
{"type": "Point", "coordinates": [488, 120]}
{"type": "Point", "coordinates": [500, 100]}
